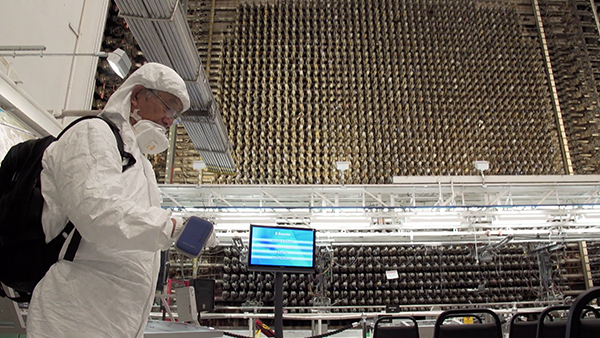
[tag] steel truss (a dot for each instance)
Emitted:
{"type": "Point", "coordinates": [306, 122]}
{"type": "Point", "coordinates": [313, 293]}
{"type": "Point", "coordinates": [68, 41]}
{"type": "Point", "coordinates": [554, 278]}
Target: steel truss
{"type": "Point", "coordinates": [418, 210]}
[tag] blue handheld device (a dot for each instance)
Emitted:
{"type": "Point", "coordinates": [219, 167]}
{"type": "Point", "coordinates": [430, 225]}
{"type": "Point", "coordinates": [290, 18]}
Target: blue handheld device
{"type": "Point", "coordinates": [193, 237]}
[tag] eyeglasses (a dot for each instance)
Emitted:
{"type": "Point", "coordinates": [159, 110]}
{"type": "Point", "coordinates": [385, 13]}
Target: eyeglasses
{"type": "Point", "coordinates": [169, 112]}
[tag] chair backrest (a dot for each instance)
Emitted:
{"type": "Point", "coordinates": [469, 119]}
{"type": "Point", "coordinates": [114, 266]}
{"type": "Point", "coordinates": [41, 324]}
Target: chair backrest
{"type": "Point", "coordinates": [476, 330]}
{"type": "Point", "coordinates": [523, 329]}
{"type": "Point", "coordinates": [583, 328]}
{"type": "Point", "coordinates": [384, 328]}
{"type": "Point", "coordinates": [552, 329]}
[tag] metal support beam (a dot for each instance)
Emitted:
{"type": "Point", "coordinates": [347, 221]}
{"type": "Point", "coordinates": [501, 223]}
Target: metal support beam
{"type": "Point", "coordinates": [554, 93]}
{"type": "Point", "coordinates": [214, 193]}
{"type": "Point", "coordinates": [25, 109]}
{"type": "Point", "coordinates": [325, 199]}
{"type": "Point", "coordinates": [376, 198]}
{"type": "Point", "coordinates": [171, 154]}
{"type": "Point", "coordinates": [273, 198]}
{"type": "Point", "coordinates": [546, 196]}
{"type": "Point", "coordinates": [585, 263]}
{"type": "Point", "coordinates": [498, 197]}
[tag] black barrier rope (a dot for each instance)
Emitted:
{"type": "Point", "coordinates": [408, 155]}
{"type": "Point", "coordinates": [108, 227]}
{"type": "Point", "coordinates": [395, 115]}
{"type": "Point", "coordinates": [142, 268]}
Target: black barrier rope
{"type": "Point", "coordinates": [333, 332]}
{"type": "Point", "coordinates": [323, 335]}
{"type": "Point", "coordinates": [230, 334]}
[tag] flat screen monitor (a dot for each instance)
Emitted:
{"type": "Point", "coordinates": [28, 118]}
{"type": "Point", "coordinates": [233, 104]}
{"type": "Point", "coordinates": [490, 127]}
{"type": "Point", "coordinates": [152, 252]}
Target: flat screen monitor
{"type": "Point", "coordinates": [285, 249]}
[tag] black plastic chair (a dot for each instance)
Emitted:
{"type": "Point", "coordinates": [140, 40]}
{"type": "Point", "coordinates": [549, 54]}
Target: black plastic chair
{"type": "Point", "coordinates": [523, 329]}
{"type": "Point", "coordinates": [552, 329]}
{"type": "Point", "coordinates": [475, 330]}
{"type": "Point", "coordinates": [558, 328]}
{"type": "Point", "coordinates": [578, 327]}
{"type": "Point", "coordinates": [589, 309]}
{"type": "Point", "coordinates": [384, 328]}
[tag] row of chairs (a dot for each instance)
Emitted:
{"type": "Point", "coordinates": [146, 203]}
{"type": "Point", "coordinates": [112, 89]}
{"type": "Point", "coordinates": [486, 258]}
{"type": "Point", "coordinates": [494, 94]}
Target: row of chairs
{"type": "Point", "coordinates": [487, 324]}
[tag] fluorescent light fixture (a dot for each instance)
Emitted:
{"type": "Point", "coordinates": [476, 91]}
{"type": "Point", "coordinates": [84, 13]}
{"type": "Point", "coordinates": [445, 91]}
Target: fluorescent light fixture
{"type": "Point", "coordinates": [586, 221]}
{"type": "Point", "coordinates": [245, 218]}
{"type": "Point", "coordinates": [434, 225]}
{"type": "Point", "coordinates": [521, 223]}
{"type": "Point", "coordinates": [522, 214]}
{"type": "Point", "coordinates": [119, 62]}
{"type": "Point", "coordinates": [340, 216]}
{"type": "Point", "coordinates": [428, 217]}
{"type": "Point", "coordinates": [349, 225]}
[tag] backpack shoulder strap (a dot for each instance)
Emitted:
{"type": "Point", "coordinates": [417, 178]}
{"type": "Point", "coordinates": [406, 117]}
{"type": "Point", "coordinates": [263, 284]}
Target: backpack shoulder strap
{"type": "Point", "coordinates": [73, 244]}
{"type": "Point", "coordinates": [127, 158]}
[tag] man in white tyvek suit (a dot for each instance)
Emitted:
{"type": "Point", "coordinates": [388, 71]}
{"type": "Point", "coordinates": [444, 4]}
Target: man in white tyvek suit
{"type": "Point", "coordinates": [108, 290]}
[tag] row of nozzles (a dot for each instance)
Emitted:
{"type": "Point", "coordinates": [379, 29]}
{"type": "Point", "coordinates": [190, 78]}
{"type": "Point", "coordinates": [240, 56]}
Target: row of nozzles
{"type": "Point", "coordinates": [510, 276]}
{"type": "Point", "coordinates": [468, 11]}
{"type": "Point", "coordinates": [304, 146]}
{"type": "Point", "coordinates": [417, 87]}
{"type": "Point", "coordinates": [345, 298]}
{"type": "Point", "coordinates": [452, 292]}
{"type": "Point", "coordinates": [364, 29]}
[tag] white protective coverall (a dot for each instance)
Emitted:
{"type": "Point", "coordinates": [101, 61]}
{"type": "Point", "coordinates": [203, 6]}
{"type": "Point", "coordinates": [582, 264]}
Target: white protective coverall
{"type": "Point", "coordinates": [108, 290]}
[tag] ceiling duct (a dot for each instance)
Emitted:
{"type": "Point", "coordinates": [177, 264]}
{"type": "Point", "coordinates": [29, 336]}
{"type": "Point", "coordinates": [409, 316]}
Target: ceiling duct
{"type": "Point", "coordinates": [162, 32]}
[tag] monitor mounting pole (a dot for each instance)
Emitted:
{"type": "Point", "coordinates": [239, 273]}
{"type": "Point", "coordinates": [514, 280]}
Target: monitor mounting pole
{"type": "Point", "coordinates": [278, 304]}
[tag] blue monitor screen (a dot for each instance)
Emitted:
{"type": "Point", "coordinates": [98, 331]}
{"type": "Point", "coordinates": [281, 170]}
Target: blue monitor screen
{"type": "Point", "coordinates": [274, 248]}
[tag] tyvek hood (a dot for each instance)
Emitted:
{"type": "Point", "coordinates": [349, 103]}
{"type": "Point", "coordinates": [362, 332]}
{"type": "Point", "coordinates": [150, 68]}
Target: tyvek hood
{"type": "Point", "coordinates": [152, 76]}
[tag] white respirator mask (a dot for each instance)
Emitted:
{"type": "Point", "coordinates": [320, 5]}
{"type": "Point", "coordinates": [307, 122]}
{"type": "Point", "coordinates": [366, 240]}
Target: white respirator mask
{"type": "Point", "coordinates": [151, 137]}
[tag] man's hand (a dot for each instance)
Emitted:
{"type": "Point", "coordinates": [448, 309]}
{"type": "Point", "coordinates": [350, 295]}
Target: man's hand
{"type": "Point", "coordinates": [178, 225]}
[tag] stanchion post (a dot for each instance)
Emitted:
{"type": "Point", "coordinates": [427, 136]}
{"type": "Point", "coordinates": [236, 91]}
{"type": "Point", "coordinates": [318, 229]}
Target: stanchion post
{"type": "Point", "coordinates": [365, 328]}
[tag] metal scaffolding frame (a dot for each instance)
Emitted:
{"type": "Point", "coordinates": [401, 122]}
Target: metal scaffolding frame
{"type": "Point", "coordinates": [417, 210]}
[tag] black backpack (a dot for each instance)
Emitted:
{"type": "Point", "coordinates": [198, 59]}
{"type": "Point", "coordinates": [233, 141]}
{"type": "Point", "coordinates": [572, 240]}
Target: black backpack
{"type": "Point", "coordinates": [25, 257]}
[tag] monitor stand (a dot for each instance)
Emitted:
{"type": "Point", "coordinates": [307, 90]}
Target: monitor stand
{"type": "Point", "coordinates": [278, 304]}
